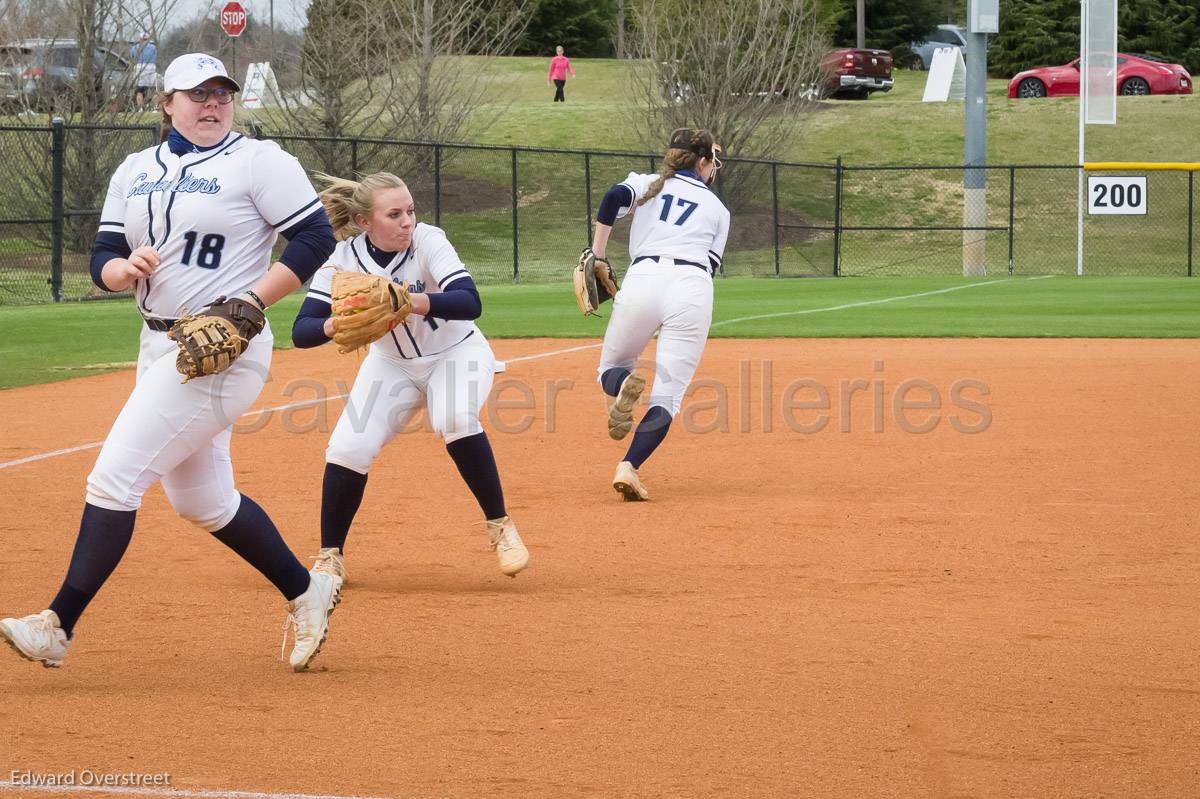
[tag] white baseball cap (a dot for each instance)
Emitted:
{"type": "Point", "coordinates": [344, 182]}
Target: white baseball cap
{"type": "Point", "coordinates": [189, 71]}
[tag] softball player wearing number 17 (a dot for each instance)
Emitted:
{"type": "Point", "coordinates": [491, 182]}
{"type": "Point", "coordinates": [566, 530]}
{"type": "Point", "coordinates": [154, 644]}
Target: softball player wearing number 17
{"type": "Point", "coordinates": [186, 222]}
{"type": "Point", "coordinates": [676, 243]}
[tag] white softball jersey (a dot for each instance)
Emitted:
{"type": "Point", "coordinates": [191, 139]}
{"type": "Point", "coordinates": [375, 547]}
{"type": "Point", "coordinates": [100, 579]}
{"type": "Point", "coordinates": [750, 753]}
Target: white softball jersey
{"type": "Point", "coordinates": [442, 366]}
{"type": "Point", "coordinates": [685, 221]}
{"type": "Point", "coordinates": [676, 243]}
{"type": "Point", "coordinates": [430, 265]}
{"type": "Point", "coordinates": [213, 216]}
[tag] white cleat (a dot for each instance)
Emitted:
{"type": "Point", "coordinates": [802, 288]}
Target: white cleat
{"type": "Point", "coordinates": [39, 638]}
{"type": "Point", "coordinates": [331, 561]}
{"type": "Point", "coordinates": [308, 617]}
{"type": "Point", "coordinates": [627, 484]}
{"type": "Point", "coordinates": [620, 415]}
{"type": "Point", "coordinates": [510, 550]}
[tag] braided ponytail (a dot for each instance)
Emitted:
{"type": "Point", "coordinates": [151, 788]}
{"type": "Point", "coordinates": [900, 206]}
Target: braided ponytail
{"type": "Point", "coordinates": [688, 147]}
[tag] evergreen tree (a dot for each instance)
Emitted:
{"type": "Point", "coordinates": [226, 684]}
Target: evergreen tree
{"type": "Point", "coordinates": [1034, 33]}
{"type": "Point", "coordinates": [1165, 28]}
{"type": "Point", "coordinates": [1039, 32]}
{"type": "Point", "coordinates": [888, 25]}
{"type": "Point", "coordinates": [583, 27]}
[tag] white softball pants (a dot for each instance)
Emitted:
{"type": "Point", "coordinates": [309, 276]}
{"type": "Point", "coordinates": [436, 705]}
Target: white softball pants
{"type": "Point", "coordinates": [388, 392]}
{"type": "Point", "coordinates": [676, 300]}
{"type": "Point", "coordinates": [179, 433]}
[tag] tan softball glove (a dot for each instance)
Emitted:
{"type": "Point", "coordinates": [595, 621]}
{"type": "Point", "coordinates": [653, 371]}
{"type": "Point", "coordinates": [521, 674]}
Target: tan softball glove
{"type": "Point", "coordinates": [366, 308]}
{"type": "Point", "coordinates": [595, 281]}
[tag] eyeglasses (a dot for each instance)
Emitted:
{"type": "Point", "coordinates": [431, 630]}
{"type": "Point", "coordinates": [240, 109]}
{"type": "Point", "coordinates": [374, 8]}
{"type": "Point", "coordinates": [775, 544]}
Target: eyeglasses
{"type": "Point", "coordinates": [224, 94]}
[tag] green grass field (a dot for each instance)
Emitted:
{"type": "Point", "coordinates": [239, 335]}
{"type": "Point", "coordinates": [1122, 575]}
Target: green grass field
{"type": "Point", "coordinates": [45, 343]}
{"type": "Point", "coordinates": [55, 342]}
{"type": "Point", "coordinates": [891, 128]}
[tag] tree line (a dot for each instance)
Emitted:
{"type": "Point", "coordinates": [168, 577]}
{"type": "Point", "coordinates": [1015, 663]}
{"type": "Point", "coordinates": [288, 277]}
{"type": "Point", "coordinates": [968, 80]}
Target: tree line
{"type": "Point", "coordinates": [1032, 32]}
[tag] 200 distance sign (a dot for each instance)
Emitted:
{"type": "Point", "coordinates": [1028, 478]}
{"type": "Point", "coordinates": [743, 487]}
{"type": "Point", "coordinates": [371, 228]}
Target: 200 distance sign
{"type": "Point", "coordinates": [1111, 196]}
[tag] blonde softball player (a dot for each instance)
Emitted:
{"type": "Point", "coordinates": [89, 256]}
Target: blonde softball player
{"type": "Point", "coordinates": [187, 224]}
{"type": "Point", "coordinates": [676, 243]}
{"type": "Point", "coordinates": [435, 359]}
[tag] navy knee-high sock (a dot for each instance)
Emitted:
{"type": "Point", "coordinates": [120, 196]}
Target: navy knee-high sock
{"type": "Point", "coordinates": [649, 434]}
{"type": "Point", "coordinates": [477, 464]}
{"type": "Point", "coordinates": [341, 495]}
{"type": "Point", "coordinates": [253, 536]}
{"type": "Point", "coordinates": [104, 536]}
{"type": "Point", "coordinates": [612, 379]}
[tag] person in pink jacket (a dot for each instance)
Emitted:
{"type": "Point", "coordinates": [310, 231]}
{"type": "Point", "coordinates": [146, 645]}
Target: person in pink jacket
{"type": "Point", "coordinates": [560, 65]}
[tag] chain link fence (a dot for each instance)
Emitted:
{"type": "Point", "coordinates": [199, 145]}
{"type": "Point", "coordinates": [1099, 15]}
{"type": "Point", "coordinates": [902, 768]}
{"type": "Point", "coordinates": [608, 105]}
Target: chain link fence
{"type": "Point", "coordinates": [520, 214]}
{"type": "Point", "coordinates": [57, 176]}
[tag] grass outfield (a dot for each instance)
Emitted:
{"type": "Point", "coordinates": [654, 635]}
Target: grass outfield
{"type": "Point", "coordinates": [895, 127]}
{"type": "Point", "coordinates": [44, 343]}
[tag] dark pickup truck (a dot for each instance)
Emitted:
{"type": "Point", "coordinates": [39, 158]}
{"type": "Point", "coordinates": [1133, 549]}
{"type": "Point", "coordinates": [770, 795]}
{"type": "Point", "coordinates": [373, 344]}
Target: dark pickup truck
{"type": "Point", "coordinates": [851, 73]}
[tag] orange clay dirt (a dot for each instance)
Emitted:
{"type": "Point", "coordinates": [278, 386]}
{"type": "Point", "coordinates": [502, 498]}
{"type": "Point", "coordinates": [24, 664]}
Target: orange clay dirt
{"type": "Point", "coordinates": [1007, 613]}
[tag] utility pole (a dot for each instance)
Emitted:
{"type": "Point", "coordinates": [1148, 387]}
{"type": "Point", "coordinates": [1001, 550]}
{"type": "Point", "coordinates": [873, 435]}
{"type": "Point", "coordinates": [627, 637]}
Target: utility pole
{"type": "Point", "coordinates": [860, 12]}
{"type": "Point", "coordinates": [984, 17]}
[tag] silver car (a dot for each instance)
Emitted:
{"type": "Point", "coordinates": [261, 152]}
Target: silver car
{"type": "Point", "coordinates": [944, 36]}
{"type": "Point", "coordinates": [43, 73]}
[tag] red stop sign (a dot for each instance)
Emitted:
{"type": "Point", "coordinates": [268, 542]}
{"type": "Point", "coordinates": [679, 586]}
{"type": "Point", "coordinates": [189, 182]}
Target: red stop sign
{"type": "Point", "coordinates": [233, 18]}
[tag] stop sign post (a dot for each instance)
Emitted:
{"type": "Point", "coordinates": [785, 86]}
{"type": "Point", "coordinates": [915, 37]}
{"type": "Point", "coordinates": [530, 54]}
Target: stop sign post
{"type": "Point", "coordinates": [233, 21]}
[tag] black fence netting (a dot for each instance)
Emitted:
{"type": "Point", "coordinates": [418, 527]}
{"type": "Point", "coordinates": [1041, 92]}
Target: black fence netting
{"type": "Point", "coordinates": [519, 214]}
{"type": "Point", "coordinates": [50, 204]}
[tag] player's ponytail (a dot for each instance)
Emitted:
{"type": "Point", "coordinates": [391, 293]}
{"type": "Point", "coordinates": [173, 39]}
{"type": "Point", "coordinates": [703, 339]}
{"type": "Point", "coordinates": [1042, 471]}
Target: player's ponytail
{"type": "Point", "coordinates": [688, 146]}
{"type": "Point", "coordinates": [345, 199]}
{"type": "Point", "coordinates": [164, 126]}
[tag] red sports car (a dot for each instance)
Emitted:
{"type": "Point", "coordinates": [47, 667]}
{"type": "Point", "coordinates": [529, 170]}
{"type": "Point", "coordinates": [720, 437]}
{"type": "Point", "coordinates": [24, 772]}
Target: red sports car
{"type": "Point", "coordinates": [1135, 75]}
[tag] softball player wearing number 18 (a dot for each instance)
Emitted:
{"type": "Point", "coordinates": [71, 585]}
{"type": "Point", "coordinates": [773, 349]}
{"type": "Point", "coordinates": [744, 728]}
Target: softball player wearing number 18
{"type": "Point", "coordinates": [186, 224]}
{"type": "Point", "coordinates": [676, 243]}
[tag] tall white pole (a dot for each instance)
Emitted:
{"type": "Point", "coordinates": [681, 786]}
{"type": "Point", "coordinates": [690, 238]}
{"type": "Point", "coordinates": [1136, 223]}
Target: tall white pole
{"type": "Point", "coordinates": [1083, 67]}
{"type": "Point", "coordinates": [975, 154]}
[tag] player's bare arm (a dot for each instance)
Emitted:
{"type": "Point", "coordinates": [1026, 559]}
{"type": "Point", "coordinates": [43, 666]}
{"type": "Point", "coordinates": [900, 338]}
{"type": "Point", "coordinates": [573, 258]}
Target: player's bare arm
{"type": "Point", "coordinates": [600, 239]}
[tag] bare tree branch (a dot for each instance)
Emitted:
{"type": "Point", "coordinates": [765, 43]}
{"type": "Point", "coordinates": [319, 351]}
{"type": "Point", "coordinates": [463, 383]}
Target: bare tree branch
{"type": "Point", "coordinates": [100, 31]}
{"type": "Point", "coordinates": [395, 69]}
{"type": "Point", "coordinates": [745, 71]}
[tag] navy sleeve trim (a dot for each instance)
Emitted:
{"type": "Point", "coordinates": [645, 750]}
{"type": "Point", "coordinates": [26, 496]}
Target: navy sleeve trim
{"type": "Point", "coordinates": [111, 224]}
{"type": "Point", "coordinates": [107, 247]}
{"type": "Point", "coordinates": [616, 199]}
{"type": "Point", "coordinates": [310, 245]}
{"type": "Point", "coordinates": [292, 230]}
{"type": "Point", "coordinates": [320, 293]}
{"type": "Point", "coordinates": [309, 328]}
{"type": "Point", "coordinates": [451, 285]}
{"type": "Point", "coordinates": [314, 202]}
{"type": "Point", "coordinates": [461, 303]}
{"type": "Point", "coordinates": [442, 282]}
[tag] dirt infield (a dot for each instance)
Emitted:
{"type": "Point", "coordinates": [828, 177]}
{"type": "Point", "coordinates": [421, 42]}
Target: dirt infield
{"type": "Point", "coordinates": [840, 613]}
